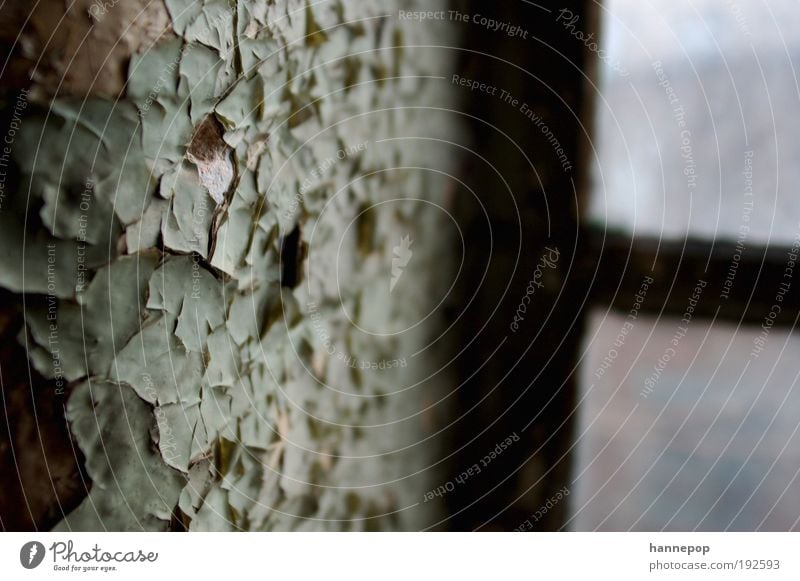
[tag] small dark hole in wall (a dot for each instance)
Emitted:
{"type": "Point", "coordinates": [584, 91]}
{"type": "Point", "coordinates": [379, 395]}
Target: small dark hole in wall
{"type": "Point", "coordinates": [292, 255]}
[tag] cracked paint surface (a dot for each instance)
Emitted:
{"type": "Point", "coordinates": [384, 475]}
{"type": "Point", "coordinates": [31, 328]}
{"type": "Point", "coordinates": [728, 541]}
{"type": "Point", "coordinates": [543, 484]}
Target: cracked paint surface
{"type": "Point", "coordinates": [207, 393]}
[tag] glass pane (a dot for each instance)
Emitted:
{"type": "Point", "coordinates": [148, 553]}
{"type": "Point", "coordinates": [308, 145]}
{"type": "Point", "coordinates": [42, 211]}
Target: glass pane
{"type": "Point", "coordinates": [687, 428]}
{"type": "Point", "coordinates": [697, 130]}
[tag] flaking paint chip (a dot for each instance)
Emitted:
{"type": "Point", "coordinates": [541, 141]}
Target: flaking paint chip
{"type": "Point", "coordinates": [212, 156]}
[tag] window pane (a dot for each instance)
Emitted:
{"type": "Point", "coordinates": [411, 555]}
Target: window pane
{"type": "Point", "coordinates": [697, 130]}
{"type": "Point", "coordinates": [687, 428]}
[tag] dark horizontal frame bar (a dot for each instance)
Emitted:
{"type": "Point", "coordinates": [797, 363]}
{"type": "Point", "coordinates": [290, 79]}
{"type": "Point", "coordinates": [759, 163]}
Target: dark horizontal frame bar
{"type": "Point", "coordinates": [746, 283]}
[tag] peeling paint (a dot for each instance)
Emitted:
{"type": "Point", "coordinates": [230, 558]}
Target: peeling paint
{"type": "Point", "coordinates": [225, 406]}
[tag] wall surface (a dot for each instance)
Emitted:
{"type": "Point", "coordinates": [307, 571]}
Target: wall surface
{"type": "Point", "coordinates": [227, 231]}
